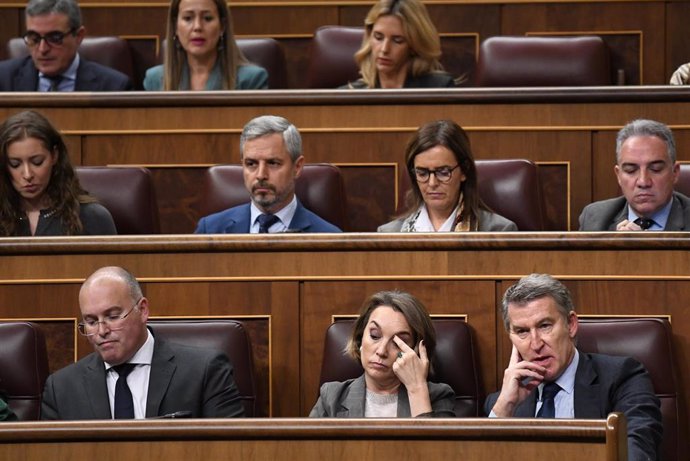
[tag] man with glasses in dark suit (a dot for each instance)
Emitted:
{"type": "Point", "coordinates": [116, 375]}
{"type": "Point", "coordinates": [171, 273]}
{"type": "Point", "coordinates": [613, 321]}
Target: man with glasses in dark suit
{"type": "Point", "coordinates": [53, 34]}
{"type": "Point", "coordinates": [133, 374]}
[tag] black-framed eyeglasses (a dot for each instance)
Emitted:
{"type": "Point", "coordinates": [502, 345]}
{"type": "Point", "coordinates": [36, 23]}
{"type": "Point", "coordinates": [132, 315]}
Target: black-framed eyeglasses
{"type": "Point", "coordinates": [54, 38]}
{"type": "Point", "coordinates": [442, 174]}
{"type": "Point", "coordinates": [112, 322]}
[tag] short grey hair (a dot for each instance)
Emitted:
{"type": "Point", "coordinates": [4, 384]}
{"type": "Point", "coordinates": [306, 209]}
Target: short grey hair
{"type": "Point", "coordinates": [643, 127]}
{"type": "Point", "coordinates": [536, 286]}
{"type": "Point", "coordinates": [270, 124]}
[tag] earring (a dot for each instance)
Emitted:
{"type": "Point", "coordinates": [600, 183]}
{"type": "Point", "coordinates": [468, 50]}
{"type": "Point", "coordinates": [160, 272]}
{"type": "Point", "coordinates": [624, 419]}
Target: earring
{"type": "Point", "coordinates": [221, 42]}
{"type": "Point", "coordinates": [177, 42]}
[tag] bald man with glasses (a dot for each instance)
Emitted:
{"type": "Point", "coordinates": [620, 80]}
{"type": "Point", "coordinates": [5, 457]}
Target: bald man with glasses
{"type": "Point", "coordinates": [53, 34]}
{"type": "Point", "coordinates": [132, 373]}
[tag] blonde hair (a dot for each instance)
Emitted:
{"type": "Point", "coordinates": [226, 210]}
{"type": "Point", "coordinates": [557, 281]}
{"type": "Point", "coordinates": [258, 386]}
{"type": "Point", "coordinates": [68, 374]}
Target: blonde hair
{"type": "Point", "coordinates": [175, 57]}
{"type": "Point", "coordinates": [420, 34]}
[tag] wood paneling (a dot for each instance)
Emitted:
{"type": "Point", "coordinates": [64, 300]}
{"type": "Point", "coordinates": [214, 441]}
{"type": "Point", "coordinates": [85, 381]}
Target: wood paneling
{"type": "Point", "coordinates": [298, 282]}
{"type": "Point", "coordinates": [315, 440]}
{"type": "Point", "coordinates": [648, 39]}
{"type": "Point", "coordinates": [178, 134]}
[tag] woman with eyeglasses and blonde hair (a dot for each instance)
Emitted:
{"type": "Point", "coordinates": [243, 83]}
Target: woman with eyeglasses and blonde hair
{"type": "Point", "coordinates": [443, 195]}
{"type": "Point", "coordinates": [201, 53]}
{"type": "Point", "coordinates": [401, 48]}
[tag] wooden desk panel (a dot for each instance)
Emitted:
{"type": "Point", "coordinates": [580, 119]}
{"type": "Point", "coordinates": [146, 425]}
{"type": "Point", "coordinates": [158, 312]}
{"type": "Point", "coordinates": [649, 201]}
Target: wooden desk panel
{"type": "Point", "coordinates": [289, 439]}
{"type": "Point", "coordinates": [575, 128]}
{"type": "Point", "coordinates": [637, 32]}
{"type": "Point", "coordinates": [301, 281]}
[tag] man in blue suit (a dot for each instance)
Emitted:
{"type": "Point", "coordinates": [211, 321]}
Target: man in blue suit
{"type": "Point", "coordinates": [271, 156]}
{"type": "Point", "coordinates": [548, 377]}
{"type": "Point", "coordinates": [53, 34]}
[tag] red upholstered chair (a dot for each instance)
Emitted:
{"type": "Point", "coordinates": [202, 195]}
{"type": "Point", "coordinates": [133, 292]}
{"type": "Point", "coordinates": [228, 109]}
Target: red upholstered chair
{"type": "Point", "coordinates": [543, 61]}
{"type": "Point", "coordinates": [228, 336]}
{"type": "Point", "coordinates": [269, 54]}
{"type": "Point", "coordinates": [332, 58]}
{"type": "Point", "coordinates": [127, 193]}
{"type": "Point", "coordinates": [320, 189]}
{"type": "Point", "coordinates": [455, 362]}
{"type": "Point", "coordinates": [649, 340]}
{"type": "Point", "coordinates": [112, 52]}
{"type": "Point", "coordinates": [509, 187]}
{"type": "Point", "coordinates": [683, 184]}
{"type": "Point", "coordinates": [23, 367]}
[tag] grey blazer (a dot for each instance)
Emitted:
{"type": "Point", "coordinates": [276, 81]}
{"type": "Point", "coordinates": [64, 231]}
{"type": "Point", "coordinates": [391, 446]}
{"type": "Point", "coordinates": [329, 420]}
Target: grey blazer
{"type": "Point", "coordinates": [182, 379]}
{"type": "Point", "coordinates": [603, 384]}
{"type": "Point", "coordinates": [488, 222]}
{"type": "Point", "coordinates": [606, 214]}
{"type": "Point", "coordinates": [346, 400]}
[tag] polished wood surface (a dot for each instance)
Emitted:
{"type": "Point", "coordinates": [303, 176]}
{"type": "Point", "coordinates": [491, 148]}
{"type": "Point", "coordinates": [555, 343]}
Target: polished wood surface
{"type": "Point", "coordinates": [291, 287]}
{"type": "Point", "coordinates": [309, 439]}
{"type": "Point", "coordinates": [647, 38]}
{"type": "Point", "coordinates": [568, 132]}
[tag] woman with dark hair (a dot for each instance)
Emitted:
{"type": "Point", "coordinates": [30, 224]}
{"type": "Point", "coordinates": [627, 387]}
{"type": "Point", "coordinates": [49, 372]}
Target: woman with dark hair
{"type": "Point", "coordinates": [443, 195]}
{"type": "Point", "coordinates": [401, 48]}
{"type": "Point", "coordinates": [40, 190]}
{"type": "Point", "coordinates": [201, 53]}
{"type": "Point", "coordinates": [394, 340]}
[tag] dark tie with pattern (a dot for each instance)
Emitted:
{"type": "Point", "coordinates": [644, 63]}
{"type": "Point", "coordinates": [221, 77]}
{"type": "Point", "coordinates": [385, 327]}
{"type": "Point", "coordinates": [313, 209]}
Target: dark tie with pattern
{"type": "Point", "coordinates": [124, 404]}
{"type": "Point", "coordinates": [54, 83]}
{"type": "Point", "coordinates": [548, 405]}
{"type": "Point", "coordinates": [266, 221]}
{"type": "Point", "coordinates": [644, 223]}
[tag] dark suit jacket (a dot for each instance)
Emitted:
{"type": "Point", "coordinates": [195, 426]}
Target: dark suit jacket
{"type": "Point", "coordinates": [604, 384]}
{"type": "Point", "coordinates": [182, 378]}
{"type": "Point", "coordinates": [236, 221]}
{"type": "Point", "coordinates": [346, 400]}
{"type": "Point", "coordinates": [430, 80]}
{"type": "Point", "coordinates": [20, 74]}
{"type": "Point", "coordinates": [606, 214]}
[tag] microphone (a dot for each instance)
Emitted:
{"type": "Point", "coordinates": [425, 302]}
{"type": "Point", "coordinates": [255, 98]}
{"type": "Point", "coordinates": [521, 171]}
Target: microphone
{"type": "Point", "coordinates": [175, 415]}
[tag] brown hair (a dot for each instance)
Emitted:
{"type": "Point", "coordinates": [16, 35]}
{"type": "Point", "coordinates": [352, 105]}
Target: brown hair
{"type": "Point", "coordinates": [448, 134]}
{"type": "Point", "coordinates": [175, 56]}
{"type": "Point", "coordinates": [410, 307]}
{"type": "Point", "coordinates": [64, 191]}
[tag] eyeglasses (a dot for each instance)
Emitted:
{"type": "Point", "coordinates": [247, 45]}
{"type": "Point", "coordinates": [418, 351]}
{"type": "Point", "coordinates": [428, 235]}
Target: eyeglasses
{"type": "Point", "coordinates": [112, 322]}
{"type": "Point", "coordinates": [54, 38]}
{"type": "Point", "coordinates": [442, 174]}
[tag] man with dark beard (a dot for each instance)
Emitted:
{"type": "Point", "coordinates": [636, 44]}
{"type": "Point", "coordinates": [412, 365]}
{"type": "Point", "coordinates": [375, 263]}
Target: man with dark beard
{"type": "Point", "coordinates": [271, 156]}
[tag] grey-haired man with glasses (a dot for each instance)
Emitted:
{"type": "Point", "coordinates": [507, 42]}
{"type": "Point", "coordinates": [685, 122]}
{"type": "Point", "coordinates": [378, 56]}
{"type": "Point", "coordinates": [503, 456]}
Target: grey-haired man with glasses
{"type": "Point", "coordinates": [132, 373]}
{"type": "Point", "coordinates": [53, 34]}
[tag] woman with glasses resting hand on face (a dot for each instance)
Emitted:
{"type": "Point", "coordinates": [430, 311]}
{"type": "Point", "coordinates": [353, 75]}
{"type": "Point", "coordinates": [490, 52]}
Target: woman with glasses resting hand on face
{"type": "Point", "coordinates": [40, 191]}
{"type": "Point", "coordinates": [394, 340]}
{"type": "Point", "coordinates": [401, 48]}
{"type": "Point", "coordinates": [201, 53]}
{"type": "Point", "coordinates": [443, 196]}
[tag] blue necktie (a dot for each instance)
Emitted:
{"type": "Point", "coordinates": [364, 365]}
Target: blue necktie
{"type": "Point", "coordinates": [124, 403]}
{"type": "Point", "coordinates": [54, 82]}
{"type": "Point", "coordinates": [644, 223]}
{"type": "Point", "coordinates": [548, 405]}
{"type": "Point", "coordinates": [266, 221]}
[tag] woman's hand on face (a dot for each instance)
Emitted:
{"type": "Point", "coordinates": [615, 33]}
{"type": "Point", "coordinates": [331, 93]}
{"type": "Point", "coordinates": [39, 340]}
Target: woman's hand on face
{"type": "Point", "coordinates": [412, 370]}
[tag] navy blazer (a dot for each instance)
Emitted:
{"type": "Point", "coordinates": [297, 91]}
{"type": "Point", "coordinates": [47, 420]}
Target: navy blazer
{"type": "Point", "coordinates": [182, 378]}
{"type": "Point", "coordinates": [236, 221]}
{"type": "Point", "coordinates": [604, 384]}
{"type": "Point", "coordinates": [20, 74]}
